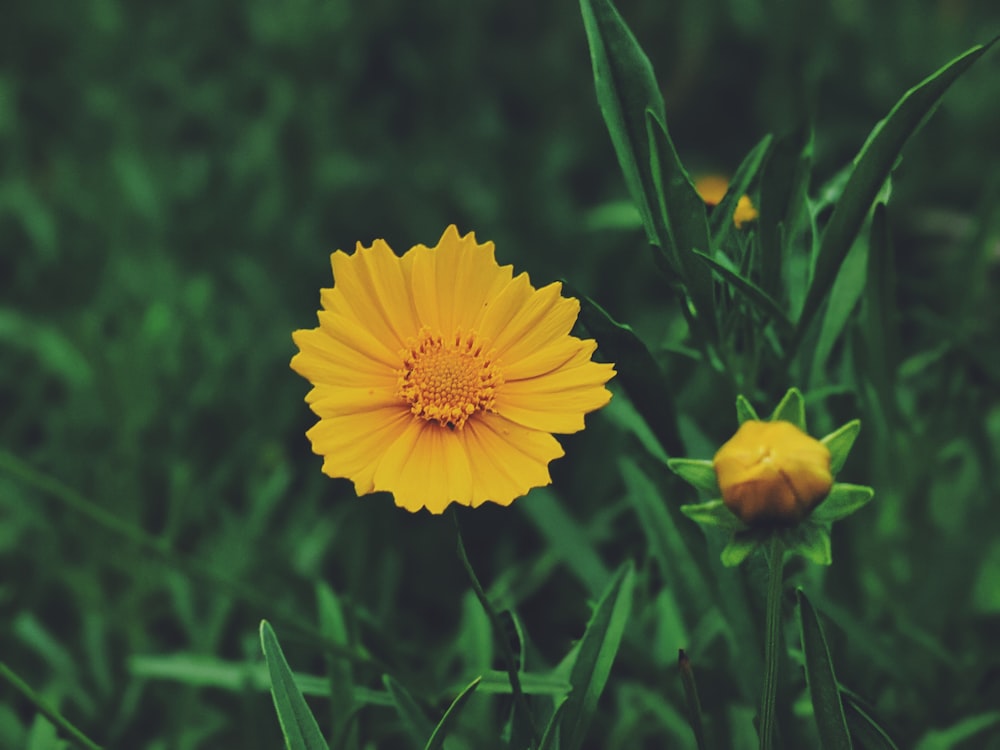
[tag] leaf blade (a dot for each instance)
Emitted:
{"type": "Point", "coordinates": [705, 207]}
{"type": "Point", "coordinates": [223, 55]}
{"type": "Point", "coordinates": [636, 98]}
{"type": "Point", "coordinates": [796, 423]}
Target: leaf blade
{"type": "Point", "coordinates": [298, 725]}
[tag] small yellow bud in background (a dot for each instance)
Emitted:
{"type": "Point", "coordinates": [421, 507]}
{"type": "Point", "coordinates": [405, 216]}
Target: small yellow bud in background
{"type": "Point", "coordinates": [712, 189]}
{"type": "Point", "coordinates": [772, 473]}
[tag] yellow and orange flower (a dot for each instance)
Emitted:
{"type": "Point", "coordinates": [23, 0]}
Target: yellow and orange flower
{"type": "Point", "coordinates": [439, 376]}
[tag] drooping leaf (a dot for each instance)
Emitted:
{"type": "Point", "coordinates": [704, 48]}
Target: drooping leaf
{"type": "Point", "coordinates": [298, 725]}
{"type": "Point", "coordinates": [873, 165]}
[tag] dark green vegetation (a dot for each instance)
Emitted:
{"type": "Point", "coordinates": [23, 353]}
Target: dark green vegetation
{"type": "Point", "coordinates": [172, 179]}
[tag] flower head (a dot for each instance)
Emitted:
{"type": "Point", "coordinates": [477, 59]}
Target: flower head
{"type": "Point", "coordinates": [774, 479]}
{"type": "Point", "coordinates": [772, 472]}
{"type": "Point", "coordinates": [439, 376]}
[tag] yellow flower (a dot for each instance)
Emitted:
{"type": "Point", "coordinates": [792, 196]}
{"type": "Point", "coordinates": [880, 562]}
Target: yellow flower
{"type": "Point", "coordinates": [712, 189]}
{"type": "Point", "coordinates": [772, 473]}
{"type": "Point", "coordinates": [439, 376]}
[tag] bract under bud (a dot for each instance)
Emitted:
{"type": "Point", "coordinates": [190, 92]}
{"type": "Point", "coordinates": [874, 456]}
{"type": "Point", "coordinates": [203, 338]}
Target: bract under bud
{"type": "Point", "coordinates": [772, 473]}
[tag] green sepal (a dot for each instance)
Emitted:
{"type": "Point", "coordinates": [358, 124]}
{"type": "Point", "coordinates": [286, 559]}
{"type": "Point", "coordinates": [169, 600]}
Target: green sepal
{"type": "Point", "coordinates": [792, 408]}
{"type": "Point", "coordinates": [842, 501]}
{"type": "Point", "coordinates": [810, 539]}
{"type": "Point", "coordinates": [741, 546]}
{"type": "Point", "coordinates": [697, 472]}
{"type": "Point", "coordinates": [840, 442]}
{"type": "Point", "coordinates": [713, 513]}
{"type": "Point", "coordinates": [745, 411]}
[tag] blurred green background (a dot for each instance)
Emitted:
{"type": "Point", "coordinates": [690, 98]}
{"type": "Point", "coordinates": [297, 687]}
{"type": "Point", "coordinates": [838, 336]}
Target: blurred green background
{"type": "Point", "coordinates": [173, 177]}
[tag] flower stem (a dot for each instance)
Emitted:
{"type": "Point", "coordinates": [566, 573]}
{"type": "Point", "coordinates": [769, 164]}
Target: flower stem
{"type": "Point", "coordinates": [772, 640]}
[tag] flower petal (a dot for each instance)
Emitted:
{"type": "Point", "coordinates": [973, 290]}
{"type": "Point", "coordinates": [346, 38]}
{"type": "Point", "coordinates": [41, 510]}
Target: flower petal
{"type": "Point", "coordinates": [507, 459]}
{"type": "Point", "coordinates": [370, 288]}
{"type": "Point", "coordinates": [426, 468]}
{"type": "Point", "coordinates": [352, 444]}
{"type": "Point", "coordinates": [324, 359]}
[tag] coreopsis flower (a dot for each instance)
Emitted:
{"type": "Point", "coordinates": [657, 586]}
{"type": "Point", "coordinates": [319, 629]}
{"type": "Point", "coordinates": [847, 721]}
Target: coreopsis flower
{"type": "Point", "coordinates": [712, 189]}
{"type": "Point", "coordinates": [440, 377]}
{"type": "Point", "coordinates": [774, 479]}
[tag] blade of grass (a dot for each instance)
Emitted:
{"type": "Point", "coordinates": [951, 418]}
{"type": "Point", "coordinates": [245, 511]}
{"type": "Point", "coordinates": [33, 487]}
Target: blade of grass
{"type": "Point", "coordinates": [298, 725]}
{"type": "Point", "coordinates": [595, 655]}
{"type": "Point", "coordinates": [333, 624]}
{"type": "Point", "coordinates": [60, 722]}
{"type": "Point", "coordinates": [757, 297]}
{"type": "Point", "coordinates": [436, 741]}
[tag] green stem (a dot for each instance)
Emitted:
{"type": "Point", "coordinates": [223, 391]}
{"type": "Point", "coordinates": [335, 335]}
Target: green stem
{"type": "Point", "coordinates": [513, 674]}
{"type": "Point", "coordinates": [772, 640]}
{"type": "Point", "coordinates": [57, 719]}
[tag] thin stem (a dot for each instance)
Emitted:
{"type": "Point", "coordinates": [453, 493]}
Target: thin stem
{"type": "Point", "coordinates": [772, 640]}
{"type": "Point", "coordinates": [508, 655]}
{"type": "Point", "coordinates": [691, 697]}
{"type": "Point", "coordinates": [60, 722]}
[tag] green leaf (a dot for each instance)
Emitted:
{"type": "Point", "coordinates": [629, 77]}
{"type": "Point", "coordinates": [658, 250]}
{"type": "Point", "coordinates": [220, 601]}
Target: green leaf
{"type": "Point", "coordinates": [842, 501]}
{"type": "Point", "coordinates": [745, 411]}
{"type": "Point", "coordinates": [415, 721]}
{"type": "Point", "coordinates": [713, 513]}
{"type": "Point", "coordinates": [721, 221]}
{"type": "Point", "coordinates": [839, 442]}
{"type": "Point", "coordinates": [873, 165]}
{"type": "Point", "coordinates": [822, 682]}
{"type": "Point", "coordinates": [792, 408]}
{"type": "Point", "coordinates": [436, 741]}
{"type": "Point", "coordinates": [869, 734]}
{"type": "Point", "coordinates": [784, 184]}
{"type": "Point", "coordinates": [298, 725]}
{"type": "Point", "coordinates": [333, 625]}
{"type": "Point", "coordinates": [844, 295]}
{"type": "Point", "coordinates": [757, 297]}
{"type": "Point", "coordinates": [495, 682]}
{"type": "Point", "coordinates": [638, 373]}
{"type": "Point", "coordinates": [966, 729]}
{"type": "Point", "coordinates": [626, 87]}
{"type": "Point", "coordinates": [740, 547]}
{"type": "Point", "coordinates": [698, 473]}
{"type": "Point", "coordinates": [568, 539]}
{"type": "Point", "coordinates": [597, 650]}
{"type": "Point", "coordinates": [811, 539]}
{"type": "Point", "coordinates": [676, 545]}
{"type": "Point", "coordinates": [550, 737]}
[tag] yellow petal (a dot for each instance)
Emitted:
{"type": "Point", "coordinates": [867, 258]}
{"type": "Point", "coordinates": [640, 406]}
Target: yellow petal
{"type": "Point", "coordinates": [352, 444]}
{"type": "Point", "coordinates": [323, 359]}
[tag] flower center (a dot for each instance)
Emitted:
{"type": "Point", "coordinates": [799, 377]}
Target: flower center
{"type": "Point", "coordinates": [448, 379]}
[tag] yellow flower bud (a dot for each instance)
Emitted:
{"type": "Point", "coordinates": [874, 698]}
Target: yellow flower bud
{"type": "Point", "coordinates": [772, 473]}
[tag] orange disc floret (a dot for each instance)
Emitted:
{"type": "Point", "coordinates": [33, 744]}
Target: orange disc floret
{"type": "Point", "coordinates": [772, 473]}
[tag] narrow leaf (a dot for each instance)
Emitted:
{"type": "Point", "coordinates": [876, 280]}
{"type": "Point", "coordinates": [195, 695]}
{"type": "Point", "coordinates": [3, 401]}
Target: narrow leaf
{"type": "Point", "coordinates": [436, 741]}
{"type": "Point", "coordinates": [791, 408]}
{"type": "Point", "coordinates": [626, 87]}
{"type": "Point", "coordinates": [822, 682]}
{"type": "Point", "coordinates": [597, 650]}
{"type": "Point", "coordinates": [842, 501]}
{"type": "Point", "coordinates": [745, 411]}
{"type": "Point", "coordinates": [869, 734]}
{"type": "Point", "coordinates": [840, 442]}
{"type": "Point", "coordinates": [698, 473]}
{"type": "Point", "coordinates": [298, 725]}
{"type": "Point", "coordinates": [415, 721]}
{"type": "Point", "coordinates": [550, 737]}
{"type": "Point", "coordinates": [713, 513]}
{"type": "Point", "coordinates": [872, 166]}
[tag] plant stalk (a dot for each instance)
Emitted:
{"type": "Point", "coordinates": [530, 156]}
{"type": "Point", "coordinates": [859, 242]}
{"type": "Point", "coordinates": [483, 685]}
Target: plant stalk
{"type": "Point", "coordinates": [772, 641]}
